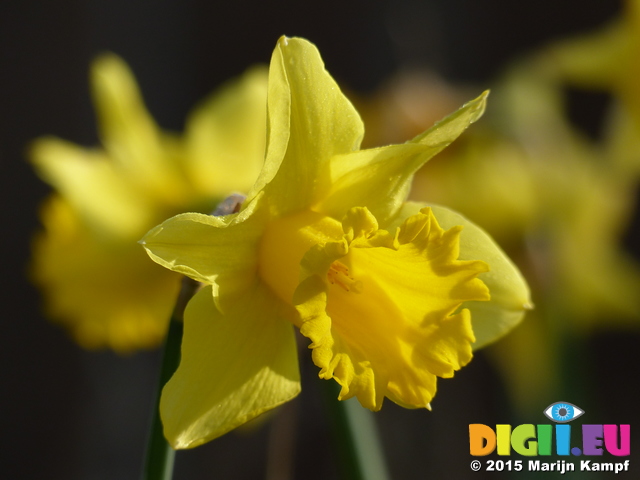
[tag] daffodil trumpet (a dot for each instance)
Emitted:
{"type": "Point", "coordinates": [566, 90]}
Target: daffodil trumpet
{"type": "Point", "coordinates": [391, 294]}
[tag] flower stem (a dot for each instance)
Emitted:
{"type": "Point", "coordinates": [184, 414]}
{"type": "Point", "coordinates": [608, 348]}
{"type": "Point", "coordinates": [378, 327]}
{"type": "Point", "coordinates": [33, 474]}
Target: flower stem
{"type": "Point", "coordinates": [356, 438]}
{"type": "Point", "coordinates": [160, 455]}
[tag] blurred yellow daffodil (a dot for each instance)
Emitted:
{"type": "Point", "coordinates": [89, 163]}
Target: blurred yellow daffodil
{"type": "Point", "coordinates": [607, 60]}
{"type": "Point", "coordinates": [576, 235]}
{"type": "Point", "coordinates": [391, 294]}
{"type": "Point", "coordinates": [95, 279]}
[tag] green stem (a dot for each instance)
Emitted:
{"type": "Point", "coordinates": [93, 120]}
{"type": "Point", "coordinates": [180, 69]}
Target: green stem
{"type": "Point", "coordinates": [160, 456]}
{"type": "Point", "coordinates": [356, 438]}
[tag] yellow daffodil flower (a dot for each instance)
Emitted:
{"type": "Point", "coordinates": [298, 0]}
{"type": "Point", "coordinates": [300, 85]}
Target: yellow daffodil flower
{"type": "Point", "coordinates": [391, 294]}
{"type": "Point", "coordinates": [581, 221]}
{"type": "Point", "coordinates": [95, 279]}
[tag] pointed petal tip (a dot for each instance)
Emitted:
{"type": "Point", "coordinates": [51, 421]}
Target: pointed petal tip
{"type": "Point", "coordinates": [106, 58]}
{"type": "Point", "coordinates": [283, 41]}
{"type": "Point", "coordinates": [151, 233]}
{"type": "Point", "coordinates": [108, 66]}
{"type": "Point", "coordinates": [478, 106]}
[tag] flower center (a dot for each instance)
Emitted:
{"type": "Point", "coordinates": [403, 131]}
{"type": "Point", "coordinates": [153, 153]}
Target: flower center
{"type": "Point", "coordinates": [284, 243]}
{"type": "Point", "coordinates": [339, 274]}
{"type": "Point", "coordinates": [405, 328]}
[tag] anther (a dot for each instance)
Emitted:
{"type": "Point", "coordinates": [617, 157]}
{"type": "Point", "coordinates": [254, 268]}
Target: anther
{"type": "Point", "coordinates": [339, 273]}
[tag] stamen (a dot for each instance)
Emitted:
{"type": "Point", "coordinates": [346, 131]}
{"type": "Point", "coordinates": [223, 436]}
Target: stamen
{"type": "Point", "coordinates": [339, 273]}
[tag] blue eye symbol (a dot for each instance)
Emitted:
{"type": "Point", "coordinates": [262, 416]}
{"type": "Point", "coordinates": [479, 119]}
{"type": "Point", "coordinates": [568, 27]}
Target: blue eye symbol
{"type": "Point", "coordinates": [563, 412]}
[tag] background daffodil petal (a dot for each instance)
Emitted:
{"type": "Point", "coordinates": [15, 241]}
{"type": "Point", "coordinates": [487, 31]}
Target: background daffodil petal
{"type": "Point", "coordinates": [87, 180]}
{"type": "Point", "coordinates": [127, 130]}
{"type": "Point", "coordinates": [310, 120]}
{"type": "Point", "coordinates": [510, 296]}
{"type": "Point", "coordinates": [233, 368]}
{"type": "Point", "coordinates": [125, 300]}
{"type": "Point", "coordinates": [380, 178]}
{"type": "Point", "coordinates": [226, 135]}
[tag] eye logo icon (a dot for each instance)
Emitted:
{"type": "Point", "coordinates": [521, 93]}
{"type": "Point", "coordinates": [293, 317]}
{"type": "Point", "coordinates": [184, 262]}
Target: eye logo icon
{"type": "Point", "coordinates": [563, 412]}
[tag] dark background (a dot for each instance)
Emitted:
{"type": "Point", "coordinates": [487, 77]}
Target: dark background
{"type": "Point", "coordinates": [70, 414]}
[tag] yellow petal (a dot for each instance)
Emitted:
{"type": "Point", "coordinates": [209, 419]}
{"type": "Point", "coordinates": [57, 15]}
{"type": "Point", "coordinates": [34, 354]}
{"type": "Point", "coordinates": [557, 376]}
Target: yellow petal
{"type": "Point", "coordinates": [310, 120]}
{"type": "Point", "coordinates": [382, 314]}
{"type": "Point", "coordinates": [233, 368]}
{"type": "Point", "coordinates": [380, 178]}
{"type": "Point", "coordinates": [219, 251]}
{"type": "Point", "coordinates": [226, 135]}
{"type": "Point", "coordinates": [128, 132]}
{"type": "Point", "coordinates": [87, 180]}
{"type": "Point", "coordinates": [510, 296]}
{"type": "Point", "coordinates": [107, 294]}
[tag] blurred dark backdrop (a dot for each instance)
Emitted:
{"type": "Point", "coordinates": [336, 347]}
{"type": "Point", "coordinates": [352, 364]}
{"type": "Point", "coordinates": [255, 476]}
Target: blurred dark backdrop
{"type": "Point", "coordinates": [70, 414]}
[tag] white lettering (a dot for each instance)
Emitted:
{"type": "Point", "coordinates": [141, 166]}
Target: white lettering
{"type": "Point", "coordinates": [560, 466]}
{"type": "Point", "coordinates": [617, 467]}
